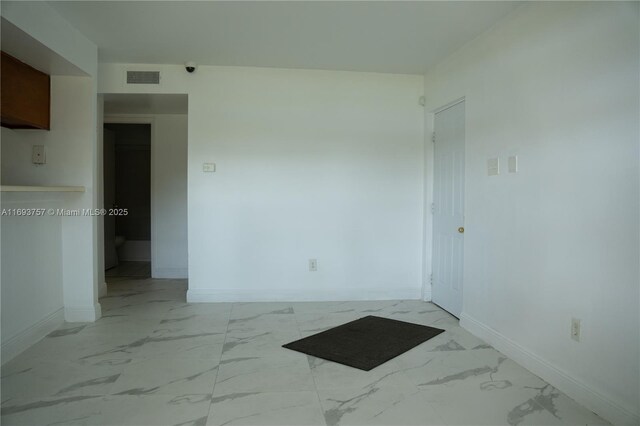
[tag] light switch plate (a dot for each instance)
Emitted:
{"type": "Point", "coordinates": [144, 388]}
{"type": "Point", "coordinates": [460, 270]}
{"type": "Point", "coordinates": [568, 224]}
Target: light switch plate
{"type": "Point", "coordinates": [513, 164]}
{"type": "Point", "coordinates": [493, 166]}
{"type": "Point", "coordinates": [209, 167]}
{"type": "Point", "coordinates": [38, 155]}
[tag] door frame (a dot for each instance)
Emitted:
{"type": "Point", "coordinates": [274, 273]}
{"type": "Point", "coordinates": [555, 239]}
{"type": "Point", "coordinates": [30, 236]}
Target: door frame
{"type": "Point", "coordinates": [429, 155]}
{"type": "Point", "coordinates": [138, 119]}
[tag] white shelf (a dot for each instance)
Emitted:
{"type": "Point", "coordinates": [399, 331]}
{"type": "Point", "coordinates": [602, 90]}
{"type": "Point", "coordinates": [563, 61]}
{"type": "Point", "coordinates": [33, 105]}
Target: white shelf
{"type": "Point", "coordinates": [16, 188]}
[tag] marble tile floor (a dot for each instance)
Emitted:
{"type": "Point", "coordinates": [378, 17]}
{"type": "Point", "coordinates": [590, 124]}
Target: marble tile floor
{"type": "Point", "coordinates": [153, 359]}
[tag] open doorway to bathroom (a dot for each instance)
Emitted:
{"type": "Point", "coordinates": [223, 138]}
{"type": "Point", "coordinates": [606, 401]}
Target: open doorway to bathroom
{"type": "Point", "coordinates": [145, 171]}
{"type": "Point", "coordinates": [127, 198]}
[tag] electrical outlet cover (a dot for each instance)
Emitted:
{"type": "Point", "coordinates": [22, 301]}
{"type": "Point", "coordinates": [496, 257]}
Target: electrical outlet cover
{"type": "Point", "coordinates": [38, 154]}
{"type": "Point", "coordinates": [313, 265]}
{"type": "Point", "coordinates": [493, 166]}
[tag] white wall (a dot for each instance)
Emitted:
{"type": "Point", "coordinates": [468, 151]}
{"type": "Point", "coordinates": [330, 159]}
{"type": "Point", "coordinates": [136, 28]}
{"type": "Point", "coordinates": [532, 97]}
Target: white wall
{"type": "Point", "coordinates": [67, 239]}
{"type": "Point", "coordinates": [69, 149]}
{"type": "Point", "coordinates": [557, 85]}
{"type": "Point", "coordinates": [32, 296]}
{"type": "Point", "coordinates": [310, 164]}
{"type": "Point", "coordinates": [70, 145]}
{"type": "Point", "coordinates": [169, 196]}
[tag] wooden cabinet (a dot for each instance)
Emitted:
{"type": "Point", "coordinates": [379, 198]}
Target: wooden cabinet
{"type": "Point", "coordinates": [25, 95]}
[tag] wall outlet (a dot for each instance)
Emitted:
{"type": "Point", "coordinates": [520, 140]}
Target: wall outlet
{"type": "Point", "coordinates": [575, 329]}
{"type": "Point", "coordinates": [313, 265]}
{"type": "Point", "coordinates": [38, 154]}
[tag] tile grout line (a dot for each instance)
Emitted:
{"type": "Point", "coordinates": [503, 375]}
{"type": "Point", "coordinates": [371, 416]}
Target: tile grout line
{"type": "Point", "coordinates": [226, 331]}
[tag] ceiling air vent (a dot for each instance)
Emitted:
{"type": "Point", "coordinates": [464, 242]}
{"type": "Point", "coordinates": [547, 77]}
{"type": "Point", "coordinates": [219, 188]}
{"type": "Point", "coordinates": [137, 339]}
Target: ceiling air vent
{"type": "Point", "coordinates": [143, 77]}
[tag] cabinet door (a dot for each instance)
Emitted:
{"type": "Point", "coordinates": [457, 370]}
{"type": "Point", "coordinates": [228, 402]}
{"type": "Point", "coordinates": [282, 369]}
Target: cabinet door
{"type": "Point", "coordinates": [25, 95]}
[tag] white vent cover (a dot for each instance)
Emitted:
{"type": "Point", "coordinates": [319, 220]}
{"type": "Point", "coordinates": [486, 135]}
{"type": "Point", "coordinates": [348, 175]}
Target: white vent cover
{"type": "Point", "coordinates": [143, 77]}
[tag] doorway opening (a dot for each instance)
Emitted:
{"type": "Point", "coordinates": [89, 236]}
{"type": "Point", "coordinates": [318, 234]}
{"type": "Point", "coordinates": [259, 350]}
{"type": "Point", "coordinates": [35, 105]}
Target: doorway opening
{"type": "Point", "coordinates": [127, 199]}
{"type": "Point", "coordinates": [147, 134]}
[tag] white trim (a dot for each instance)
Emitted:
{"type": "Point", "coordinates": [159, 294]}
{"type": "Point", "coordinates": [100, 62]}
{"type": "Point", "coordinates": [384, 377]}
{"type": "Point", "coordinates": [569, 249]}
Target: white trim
{"type": "Point", "coordinates": [128, 118]}
{"type": "Point", "coordinates": [174, 273]}
{"type": "Point", "coordinates": [449, 105]}
{"type": "Point", "coordinates": [82, 313]}
{"type": "Point", "coordinates": [299, 295]}
{"type": "Point", "coordinates": [427, 222]}
{"type": "Point", "coordinates": [426, 292]}
{"type": "Point", "coordinates": [31, 188]}
{"type": "Point", "coordinates": [604, 406]}
{"type": "Point", "coordinates": [31, 335]}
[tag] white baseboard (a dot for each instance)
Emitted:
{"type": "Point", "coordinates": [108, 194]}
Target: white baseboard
{"type": "Point", "coordinates": [31, 335]}
{"type": "Point", "coordinates": [82, 313]}
{"type": "Point", "coordinates": [600, 404]}
{"type": "Point", "coordinates": [175, 273]}
{"type": "Point", "coordinates": [297, 295]}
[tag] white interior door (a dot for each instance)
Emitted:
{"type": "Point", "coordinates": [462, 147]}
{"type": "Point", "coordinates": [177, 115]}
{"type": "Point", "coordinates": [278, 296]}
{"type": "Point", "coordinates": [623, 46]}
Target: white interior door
{"type": "Point", "coordinates": [448, 209]}
{"type": "Point", "coordinates": [110, 256]}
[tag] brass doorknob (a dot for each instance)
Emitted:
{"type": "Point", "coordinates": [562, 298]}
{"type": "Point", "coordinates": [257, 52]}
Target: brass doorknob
{"type": "Point", "coordinates": [461, 230]}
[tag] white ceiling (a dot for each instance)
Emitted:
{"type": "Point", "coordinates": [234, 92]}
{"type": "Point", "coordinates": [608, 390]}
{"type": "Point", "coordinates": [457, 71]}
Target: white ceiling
{"type": "Point", "coordinates": [25, 48]}
{"type": "Point", "coordinates": [388, 36]}
{"type": "Point", "coordinates": [145, 104]}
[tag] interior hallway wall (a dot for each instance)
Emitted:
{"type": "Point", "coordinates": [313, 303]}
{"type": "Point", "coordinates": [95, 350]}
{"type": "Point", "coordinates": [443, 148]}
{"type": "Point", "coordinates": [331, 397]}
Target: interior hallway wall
{"type": "Point", "coordinates": [309, 165]}
{"type": "Point", "coordinates": [169, 196]}
{"type": "Point", "coordinates": [557, 85]}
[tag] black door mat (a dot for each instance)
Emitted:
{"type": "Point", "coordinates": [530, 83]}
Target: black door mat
{"type": "Point", "coordinates": [366, 342]}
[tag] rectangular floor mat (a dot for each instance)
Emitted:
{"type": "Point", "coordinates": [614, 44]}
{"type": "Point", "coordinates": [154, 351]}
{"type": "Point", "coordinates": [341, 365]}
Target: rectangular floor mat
{"type": "Point", "coordinates": [366, 342]}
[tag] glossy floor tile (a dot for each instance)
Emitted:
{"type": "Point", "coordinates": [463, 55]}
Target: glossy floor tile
{"type": "Point", "coordinates": [153, 359]}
